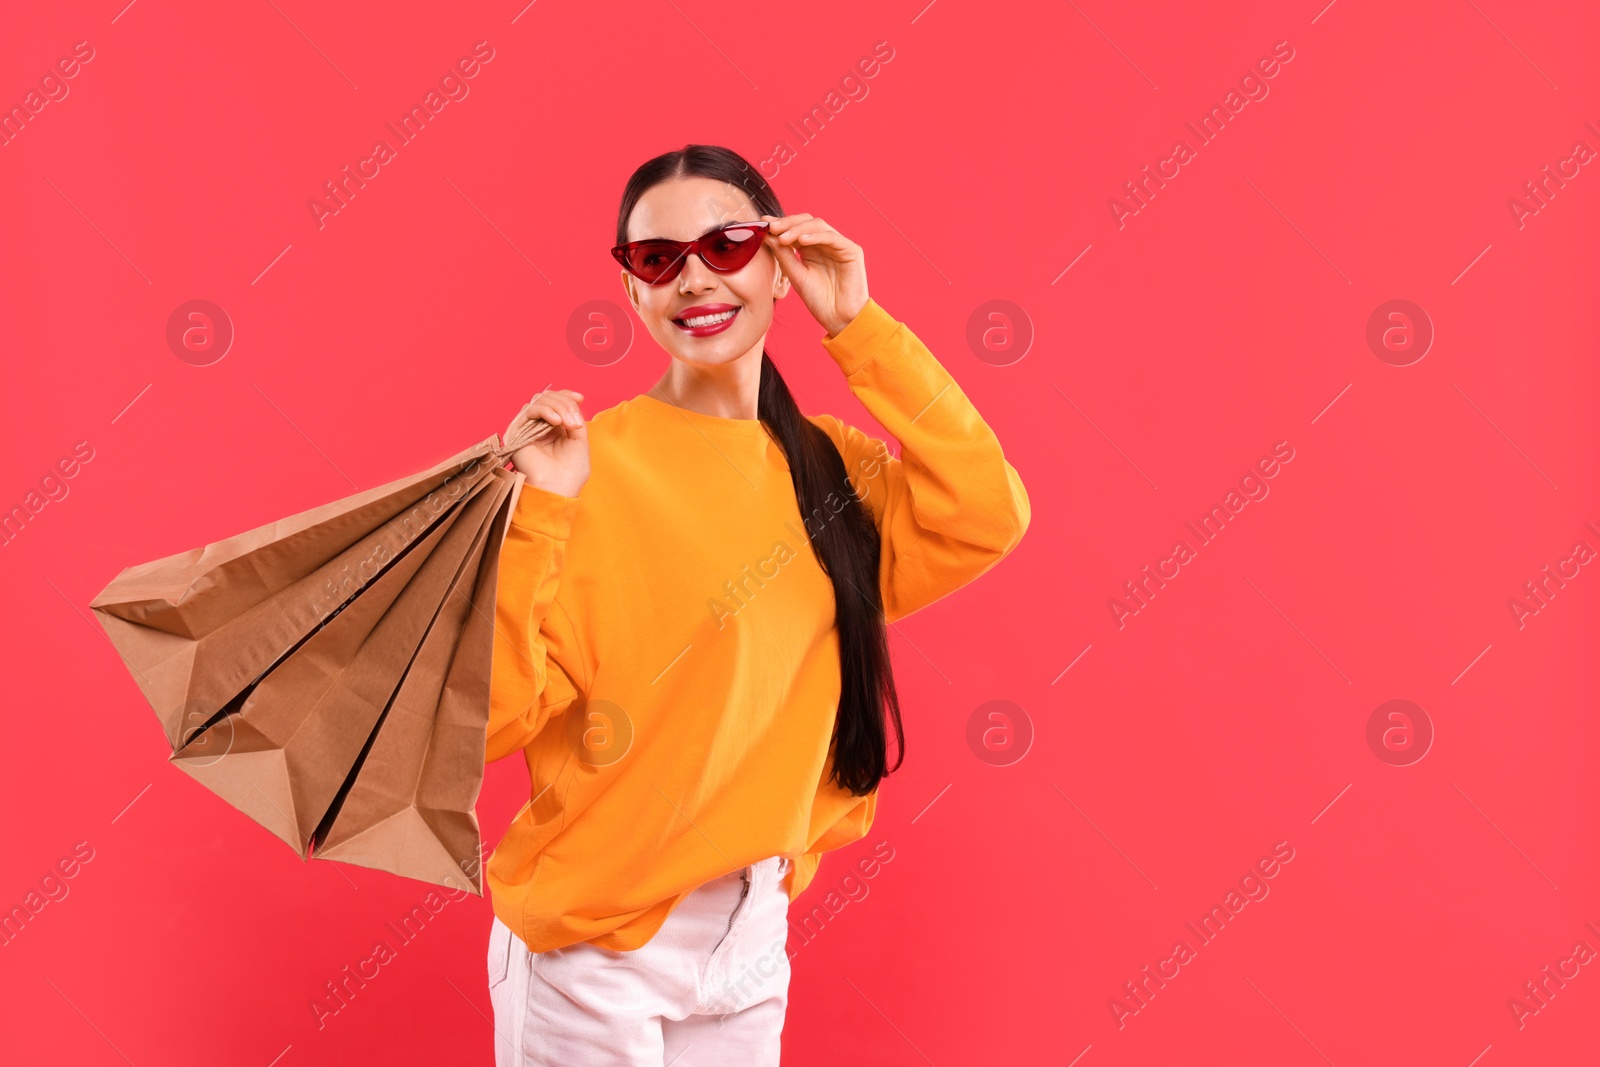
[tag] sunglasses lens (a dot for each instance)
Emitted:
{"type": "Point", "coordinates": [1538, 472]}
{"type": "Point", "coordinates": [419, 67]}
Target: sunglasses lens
{"type": "Point", "coordinates": [733, 247]}
{"type": "Point", "coordinates": [654, 260]}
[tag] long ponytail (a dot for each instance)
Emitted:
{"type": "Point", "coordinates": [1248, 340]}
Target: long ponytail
{"type": "Point", "coordinates": [842, 532]}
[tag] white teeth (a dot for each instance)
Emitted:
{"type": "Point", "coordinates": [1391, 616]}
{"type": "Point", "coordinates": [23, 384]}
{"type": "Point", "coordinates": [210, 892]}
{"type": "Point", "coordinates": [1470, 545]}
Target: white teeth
{"type": "Point", "coordinates": [707, 320]}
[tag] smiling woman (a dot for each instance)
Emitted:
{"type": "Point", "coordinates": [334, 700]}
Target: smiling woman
{"type": "Point", "coordinates": [637, 886]}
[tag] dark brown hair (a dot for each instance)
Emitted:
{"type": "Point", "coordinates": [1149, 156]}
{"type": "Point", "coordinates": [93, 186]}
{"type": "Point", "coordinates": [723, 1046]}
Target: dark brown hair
{"type": "Point", "coordinates": [845, 538]}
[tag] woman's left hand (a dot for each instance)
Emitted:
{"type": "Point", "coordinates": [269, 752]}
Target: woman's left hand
{"type": "Point", "coordinates": [827, 269]}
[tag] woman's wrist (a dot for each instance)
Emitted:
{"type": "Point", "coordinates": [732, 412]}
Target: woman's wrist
{"type": "Point", "coordinates": [835, 329]}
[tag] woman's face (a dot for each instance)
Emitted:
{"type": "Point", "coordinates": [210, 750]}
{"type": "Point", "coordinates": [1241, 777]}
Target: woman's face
{"type": "Point", "coordinates": [682, 209]}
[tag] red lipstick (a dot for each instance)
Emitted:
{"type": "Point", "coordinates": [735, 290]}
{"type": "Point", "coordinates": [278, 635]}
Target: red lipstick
{"type": "Point", "coordinates": [710, 318]}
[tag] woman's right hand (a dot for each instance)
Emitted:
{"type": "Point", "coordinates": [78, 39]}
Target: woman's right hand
{"type": "Point", "coordinates": [559, 460]}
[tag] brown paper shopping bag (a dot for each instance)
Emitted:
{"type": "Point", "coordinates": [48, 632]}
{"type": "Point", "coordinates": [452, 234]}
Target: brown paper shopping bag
{"type": "Point", "coordinates": [300, 729]}
{"type": "Point", "coordinates": [328, 674]}
{"type": "Point", "coordinates": [416, 787]}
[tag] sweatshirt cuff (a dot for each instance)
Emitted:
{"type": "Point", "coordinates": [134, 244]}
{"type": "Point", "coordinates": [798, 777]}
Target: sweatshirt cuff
{"type": "Point", "coordinates": [865, 337]}
{"type": "Point", "coordinates": [541, 511]}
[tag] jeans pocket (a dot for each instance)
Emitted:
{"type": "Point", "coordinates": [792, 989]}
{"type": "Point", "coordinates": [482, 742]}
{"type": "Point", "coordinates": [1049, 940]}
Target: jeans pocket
{"type": "Point", "coordinates": [499, 953]}
{"type": "Point", "coordinates": [540, 963]}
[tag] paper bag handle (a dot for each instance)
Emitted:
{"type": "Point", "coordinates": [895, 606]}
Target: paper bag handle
{"type": "Point", "coordinates": [526, 434]}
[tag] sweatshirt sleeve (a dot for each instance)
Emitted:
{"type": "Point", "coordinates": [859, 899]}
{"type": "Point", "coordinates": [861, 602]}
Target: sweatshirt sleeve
{"type": "Point", "coordinates": [526, 684]}
{"type": "Point", "coordinates": [950, 506]}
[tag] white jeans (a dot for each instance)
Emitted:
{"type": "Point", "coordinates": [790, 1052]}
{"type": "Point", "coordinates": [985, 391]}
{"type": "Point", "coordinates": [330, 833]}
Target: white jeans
{"type": "Point", "coordinates": [708, 990]}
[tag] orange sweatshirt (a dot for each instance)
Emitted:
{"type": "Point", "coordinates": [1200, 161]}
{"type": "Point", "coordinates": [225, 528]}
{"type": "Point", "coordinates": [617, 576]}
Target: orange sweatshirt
{"type": "Point", "coordinates": [665, 655]}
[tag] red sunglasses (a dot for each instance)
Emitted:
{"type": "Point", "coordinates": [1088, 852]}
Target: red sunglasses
{"type": "Point", "coordinates": [724, 249]}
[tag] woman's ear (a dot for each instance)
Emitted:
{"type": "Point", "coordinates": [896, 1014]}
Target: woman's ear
{"type": "Point", "coordinates": [627, 287]}
{"type": "Point", "coordinates": [780, 286]}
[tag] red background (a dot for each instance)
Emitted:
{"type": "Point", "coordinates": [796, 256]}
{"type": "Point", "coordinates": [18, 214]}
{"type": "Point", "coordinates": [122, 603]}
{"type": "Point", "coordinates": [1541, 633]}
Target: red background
{"type": "Point", "coordinates": [1225, 316]}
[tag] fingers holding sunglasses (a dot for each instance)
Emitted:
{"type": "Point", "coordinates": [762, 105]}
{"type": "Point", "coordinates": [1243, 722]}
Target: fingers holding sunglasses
{"type": "Point", "coordinates": [803, 232]}
{"type": "Point", "coordinates": [814, 233]}
{"type": "Point", "coordinates": [788, 256]}
{"type": "Point", "coordinates": [827, 270]}
{"type": "Point", "coordinates": [780, 223]}
{"type": "Point", "coordinates": [791, 225]}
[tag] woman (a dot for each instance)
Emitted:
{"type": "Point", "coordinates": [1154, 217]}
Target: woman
{"type": "Point", "coordinates": [697, 676]}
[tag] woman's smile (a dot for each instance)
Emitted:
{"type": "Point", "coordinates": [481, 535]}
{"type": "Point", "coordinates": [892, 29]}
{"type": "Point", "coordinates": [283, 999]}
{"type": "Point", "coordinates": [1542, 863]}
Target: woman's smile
{"type": "Point", "coordinates": [703, 320]}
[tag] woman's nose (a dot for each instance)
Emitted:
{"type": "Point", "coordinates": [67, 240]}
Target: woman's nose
{"type": "Point", "coordinates": [695, 274]}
